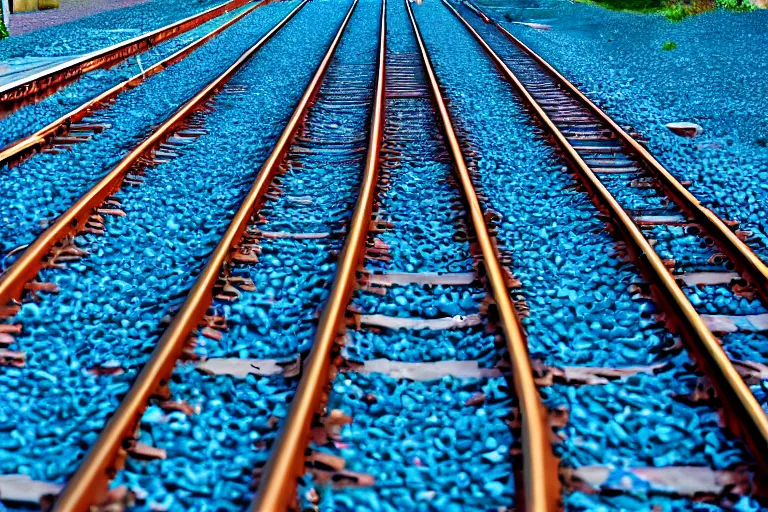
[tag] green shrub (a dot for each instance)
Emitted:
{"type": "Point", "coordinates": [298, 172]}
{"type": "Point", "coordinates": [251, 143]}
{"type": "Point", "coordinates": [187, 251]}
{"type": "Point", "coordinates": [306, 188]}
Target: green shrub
{"type": "Point", "coordinates": [669, 45]}
{"type": "Point", "coordinates": [676, 13]}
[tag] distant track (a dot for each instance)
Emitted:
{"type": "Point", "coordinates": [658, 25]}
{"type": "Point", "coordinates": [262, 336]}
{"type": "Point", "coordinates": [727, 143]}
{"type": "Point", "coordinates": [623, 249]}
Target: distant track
{"type": "Point", "coordinates": [48, 81]}
{"type": "Point", "coordinates": [67, 123]}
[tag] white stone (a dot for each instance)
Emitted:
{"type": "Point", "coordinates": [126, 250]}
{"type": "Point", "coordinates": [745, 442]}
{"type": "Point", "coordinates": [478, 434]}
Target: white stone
{"type": "Point", "coordinates": [686, 129]}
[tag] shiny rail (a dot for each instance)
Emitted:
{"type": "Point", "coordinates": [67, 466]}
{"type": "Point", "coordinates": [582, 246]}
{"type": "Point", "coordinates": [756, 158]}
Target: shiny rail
{"type": "Point", "coordinates": [13, 281]}
{"type": "Point", "coordinates": [277, 488]}
{"type": "Point", "coordinates": [19, 149]}
{"type": "Point", "coordinates": [744, 416]}
{"type": "Point", "coordinates": [46, 82]}
{"type": "Point", "coordinates": [540, 472]}
{"type": "Point", "coordinates": [107, 454]}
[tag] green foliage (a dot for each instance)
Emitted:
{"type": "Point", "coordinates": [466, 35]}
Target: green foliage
{"type": "Point", "coordinates": [735, 5]}
{"type": "Point", "coordinates": [3, 29]}
{"type": "Point", "coordinates": [669, 45]}
{"type": "Point", "coordinates": [676, 13]}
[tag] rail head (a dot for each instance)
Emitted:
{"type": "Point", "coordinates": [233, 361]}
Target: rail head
{"type": "Point", "coordinates": [90, 482]}
{"type": "Point", "coordinates": [743, 257]}
{"type": "Point", "coordinates": [744, 416]}
{"type": "Point", "coordinates": [24, 87]}
{"type": "Point", "coordinates": [541, 483]}
{"type": "Point", "coordinates": [277, 488]}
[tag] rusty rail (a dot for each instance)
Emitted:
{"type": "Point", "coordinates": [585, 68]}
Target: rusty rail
{"type": "Point", "coordinates": [541, 483]}
{"type": "Point", "coordinates": [18, 149]}
{"type": "Point", "coordinates": [750, 265]}
{"type": "Point", "coordinates": [13, 281]}
{"type": "Point", "coordinates": [277, 489]}
{"type": "Point", "coordinates": [108, 452]}
{"type": "Point", "coordinates": [744, 416]}
{"type": "Point", "coordinates": [45, 82]}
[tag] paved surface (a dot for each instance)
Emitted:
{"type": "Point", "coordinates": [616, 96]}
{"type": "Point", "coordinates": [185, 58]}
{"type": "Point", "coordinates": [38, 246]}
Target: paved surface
{"type": "Point", "coordinates": [70, 10]}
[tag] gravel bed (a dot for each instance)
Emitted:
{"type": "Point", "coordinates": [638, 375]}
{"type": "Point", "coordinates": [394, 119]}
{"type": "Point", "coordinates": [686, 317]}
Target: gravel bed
{"type": "Point", "coordinates": [639, 423]}
{"type": "Point", "coordinates": [425, 447]}
{"type": "Point", "coordinates": [47, 184]}
{"type": "Point", "coordinates": [581, 502]}
{"type": "Point", "coordinates": [212, 453]}
{"type": "Point", "coordinates": [720, 300]}
{"type": "Point", "coordinates": [35, 116]}
{"type": "Point", "coordinates": [293, 278]}
{"type": "Point", "coordinates": [689, 252]}
{"type": "Point", "coordinates": [745, 346]}
{"type": "Point", "coordinates": [422, 200]}
{"type": "Point", "coordinates": [146, 262]}
{"type": "Point", "coordinates": [319, 192]}
{"type": "Point", "coordinates": [422, 301]}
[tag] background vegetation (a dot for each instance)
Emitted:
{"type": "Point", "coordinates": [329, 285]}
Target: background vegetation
{"type": "Point", "coordinates": [3, 29]}
{"type": "Point", "coordinates": [675, 10]}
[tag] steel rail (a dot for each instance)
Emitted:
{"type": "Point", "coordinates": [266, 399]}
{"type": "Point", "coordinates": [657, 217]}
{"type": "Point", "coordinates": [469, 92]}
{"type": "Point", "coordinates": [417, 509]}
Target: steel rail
{"type": "Point", "coordinates": [105, 455]}
{"type": "Point", "coordinates": [13, 281]}
{"type": "Point", "coordinates": [753, 269]}
{"type": "Point", "coordinates": [22, 88]}
{"type": "Point", "coordinates": [541, 482]}
{"type": "Point", "coordinates": [744, 416]}
{"type": "Point", "coordinates": [37, 140]}
{"type": "Point", "coordinates": [277, 488]}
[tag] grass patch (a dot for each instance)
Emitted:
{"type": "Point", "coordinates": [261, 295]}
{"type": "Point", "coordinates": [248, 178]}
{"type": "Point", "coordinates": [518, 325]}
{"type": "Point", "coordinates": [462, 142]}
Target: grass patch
{"type": "Point", "coordinates": [669, 45]}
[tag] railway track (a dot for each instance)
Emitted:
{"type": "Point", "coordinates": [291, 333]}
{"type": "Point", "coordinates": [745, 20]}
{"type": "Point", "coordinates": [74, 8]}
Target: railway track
{"type": "Point", "coordinates": [644, 201]}
{"type": "Point", "coordinates": [238, 245]}
{"type": "Point", "coordinates": [287, 464]}
{"type": "Point", "coordinates": [48, 81]}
